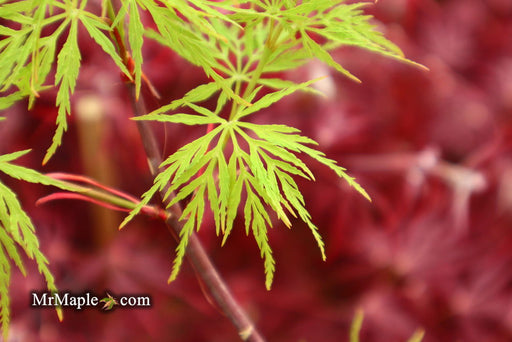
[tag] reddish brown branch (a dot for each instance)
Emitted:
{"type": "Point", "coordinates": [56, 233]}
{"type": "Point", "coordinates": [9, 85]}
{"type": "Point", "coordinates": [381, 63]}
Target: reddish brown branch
{"type": "Point", "coordinates": [205, 270]}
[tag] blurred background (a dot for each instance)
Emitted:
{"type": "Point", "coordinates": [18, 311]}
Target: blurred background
{"type": "Point", "coordinates": [433, 250]}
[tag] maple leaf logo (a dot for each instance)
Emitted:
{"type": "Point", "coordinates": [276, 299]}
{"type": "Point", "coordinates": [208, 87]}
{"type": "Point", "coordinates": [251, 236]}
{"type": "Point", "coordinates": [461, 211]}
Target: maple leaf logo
{"type": "Point", "coordinates": [109, 302]}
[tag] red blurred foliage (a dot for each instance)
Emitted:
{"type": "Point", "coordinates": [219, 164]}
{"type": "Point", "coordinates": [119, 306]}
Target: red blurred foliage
{"type": "Point", "coordinates": [433, 149]}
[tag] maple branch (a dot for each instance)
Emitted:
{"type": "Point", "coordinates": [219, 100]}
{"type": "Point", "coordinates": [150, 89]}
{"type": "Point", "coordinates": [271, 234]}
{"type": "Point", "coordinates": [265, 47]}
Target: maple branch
{"type": "Point", "coordinates": [203, 266]}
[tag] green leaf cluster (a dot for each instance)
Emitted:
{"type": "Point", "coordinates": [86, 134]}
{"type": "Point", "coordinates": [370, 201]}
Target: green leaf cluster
{"type": "Point", "coordinates": [174, 20]}
{"type": "Point", "coordinates": [27, 56]}
{"type": "Point", "coordinates": [17, 232]}
{"type": "Point", "coordinates": [239, 168]}
{"type": "Point", "coordinates": [261, 168]}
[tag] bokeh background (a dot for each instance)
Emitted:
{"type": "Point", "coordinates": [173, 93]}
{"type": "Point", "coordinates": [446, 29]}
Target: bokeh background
{"type": "Point", "coordinates": [432, 251]}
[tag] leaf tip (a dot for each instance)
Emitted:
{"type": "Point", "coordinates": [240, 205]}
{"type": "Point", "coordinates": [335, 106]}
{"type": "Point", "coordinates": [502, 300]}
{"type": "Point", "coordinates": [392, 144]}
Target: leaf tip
{"type": "Point", "coordinates": [285, 220]}
{"type": "Point", "coordinates": [365, 194]}
{"type": "Point", "coordinates": [124, 223]}
{"type": "Point", "coordinates": [268, 284]}
{"type": "Point", "coordinates": [423, 67]}
{"type": "Point", "coordinates": [172, 277]}
{"type": "Point", "coordinates": [60, 314]}
{"type": "Point", "coordinates": [224, 239]}
{"type": "Point", "coordinates": [47, 157]}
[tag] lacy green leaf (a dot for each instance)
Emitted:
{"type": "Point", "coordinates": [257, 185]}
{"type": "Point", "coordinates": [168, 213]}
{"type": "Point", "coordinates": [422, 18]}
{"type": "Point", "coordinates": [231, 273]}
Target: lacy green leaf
{"type": "Point", "coordinates": [5, 279]}
{"type": "Point", "coordinates": [187, 119]}
{"type": "Point", "coordinates": [18, 232]}
{"type": "Point", "coordinates": [269, 99]}
{"type": "Point", "coordinates": [317, 51]}
{"type": "Point", "coordinates": [135, 35]}
{"type": "Point", "coordinates": [65, 79]}
{"type": "Point", "coordinates": [94, 25]}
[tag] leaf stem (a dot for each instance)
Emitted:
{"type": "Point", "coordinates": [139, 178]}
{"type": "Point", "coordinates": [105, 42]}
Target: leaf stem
{"type": "Point", "coordinates": [256, 74]}
{"type": "Point", "coordinates": [106, 197]}
{"type": "Point", "coordinates": [273, 36]}
{"type": "Point", "coordinates": [204, 268]}
{"type": "Point", "coordinates": [117, 33]}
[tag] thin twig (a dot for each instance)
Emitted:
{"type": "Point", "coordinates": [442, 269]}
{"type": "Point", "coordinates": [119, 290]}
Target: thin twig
{"type": "Point", "coordinates": [196, 254]}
